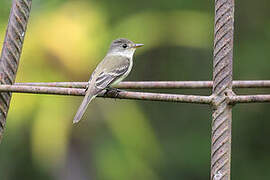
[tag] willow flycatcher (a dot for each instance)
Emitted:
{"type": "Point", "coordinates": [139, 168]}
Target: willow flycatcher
{"type": "Point", "coordinates": [115, 66]}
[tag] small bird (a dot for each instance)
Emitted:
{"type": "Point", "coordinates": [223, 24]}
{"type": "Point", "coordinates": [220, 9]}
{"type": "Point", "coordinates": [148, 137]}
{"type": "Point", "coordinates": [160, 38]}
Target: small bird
{"type": "Point", "coordinates": [115, 66]}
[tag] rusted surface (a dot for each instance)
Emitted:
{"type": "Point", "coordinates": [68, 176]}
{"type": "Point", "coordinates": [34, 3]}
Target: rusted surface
{"type": "Point", "coordinates": [11, 52]}
{"type": "Point", "coordinates": [42, 90]}
{"type": "Point", "coordinates": [119, 95]}
{"type": "Point", "coordinates": [156, 84]}
{"type": "Point", "coordinates": [230, 98]}
{"type": "Point", "coordinates": [251, 84]}
{"type": "Point", "coordinates": [55, 84]}
{"type": "Point", "coordinates": [260, 98]}
{"type": "Point", "coordinates": [163, 97]}
{"type": "Point", "coordinates": [222, 83]}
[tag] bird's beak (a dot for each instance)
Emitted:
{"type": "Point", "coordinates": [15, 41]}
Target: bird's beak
{"type": "Point", "coordinates": [137, 45]}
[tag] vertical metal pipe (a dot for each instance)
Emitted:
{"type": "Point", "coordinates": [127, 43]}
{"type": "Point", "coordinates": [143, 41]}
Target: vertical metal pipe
{"type": "Point", "coordinates": [11, 52]}
{"type": "Point", "coordinates": [222, 85]}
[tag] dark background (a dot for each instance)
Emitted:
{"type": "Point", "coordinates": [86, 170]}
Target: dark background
{"type": "Point", "coordinates": [124, 139]}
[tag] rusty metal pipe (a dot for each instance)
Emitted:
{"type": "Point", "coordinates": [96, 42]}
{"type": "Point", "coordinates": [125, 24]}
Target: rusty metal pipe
{"type": "Point", "coordinates": [157, 84]}
{"type": "Point", "coordinates": [231, 99]}
{"type": "Point", "coordinates": [119, 95]}
{"type": "Point", "coordinates": [259, 98]}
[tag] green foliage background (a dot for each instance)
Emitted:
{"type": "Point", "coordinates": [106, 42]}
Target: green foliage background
{"type": "Point", "coordinates": [123, 139]}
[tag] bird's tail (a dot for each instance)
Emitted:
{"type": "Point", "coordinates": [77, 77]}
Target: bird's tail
{"type": "Point", "coordinates": [90, 95]}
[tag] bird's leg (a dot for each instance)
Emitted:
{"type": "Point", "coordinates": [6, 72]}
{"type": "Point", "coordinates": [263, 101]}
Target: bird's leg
{"type": "Point", "coordinates": [87, 86]}
{"type": "Point", "coordinates": [112, 91]}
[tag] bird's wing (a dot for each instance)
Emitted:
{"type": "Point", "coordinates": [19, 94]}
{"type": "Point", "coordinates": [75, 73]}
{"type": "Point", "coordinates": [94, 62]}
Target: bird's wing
{"type": "Point", "coordinates": [118, 66]}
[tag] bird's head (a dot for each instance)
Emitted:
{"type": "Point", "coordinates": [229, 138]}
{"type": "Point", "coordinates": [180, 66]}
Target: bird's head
{"type": "Point", "coordinates": [123, 47]}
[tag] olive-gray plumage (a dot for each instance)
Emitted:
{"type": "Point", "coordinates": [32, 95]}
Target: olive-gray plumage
{"type": "Point", "coordinates": [115, 66]}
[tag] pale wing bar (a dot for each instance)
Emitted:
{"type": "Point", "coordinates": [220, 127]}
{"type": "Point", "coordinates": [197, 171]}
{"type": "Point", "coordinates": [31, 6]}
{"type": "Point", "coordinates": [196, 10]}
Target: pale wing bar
{"type": "Point", "coordinates": [104, 79]}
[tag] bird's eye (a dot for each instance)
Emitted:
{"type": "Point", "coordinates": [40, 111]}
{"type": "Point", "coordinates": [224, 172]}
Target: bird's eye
{"type": "Point", "coordinates": [125, 45]}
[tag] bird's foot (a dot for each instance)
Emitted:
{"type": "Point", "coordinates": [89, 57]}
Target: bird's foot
{"type": "Point", "coordinates": [86, 88]}
{"type": "Point", "coordinates": [112, 92]}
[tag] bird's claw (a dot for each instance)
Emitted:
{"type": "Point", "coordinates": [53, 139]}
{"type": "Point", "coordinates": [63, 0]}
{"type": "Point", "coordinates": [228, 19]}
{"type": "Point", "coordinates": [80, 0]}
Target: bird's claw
{"type": "Point", "coordinates": [112, 92]}
{"type": "Point", "coordinates": [86, 88]}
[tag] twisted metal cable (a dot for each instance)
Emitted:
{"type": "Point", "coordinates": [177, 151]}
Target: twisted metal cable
{"type": "Point", "coordinates": [222, 87]}
{"type": "Point", "coordinates": [11, 52]}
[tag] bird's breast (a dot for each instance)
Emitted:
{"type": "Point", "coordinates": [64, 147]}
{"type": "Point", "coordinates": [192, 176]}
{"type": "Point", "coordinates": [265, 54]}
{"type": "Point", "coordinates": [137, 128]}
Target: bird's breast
{"type": "Point", "coordinates": [126, 73]}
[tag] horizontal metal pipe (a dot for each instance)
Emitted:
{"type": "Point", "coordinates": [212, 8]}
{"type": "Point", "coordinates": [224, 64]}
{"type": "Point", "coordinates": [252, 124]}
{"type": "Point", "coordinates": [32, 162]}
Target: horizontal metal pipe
{"type": "Point", "coordinates": [134, 95]}
{"type": "Point", "coordinates": [119, 95]}
{"type": "Point", "coordinates": [158, 84]}
{"type": "Point", "coordinates": [249, 98]}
